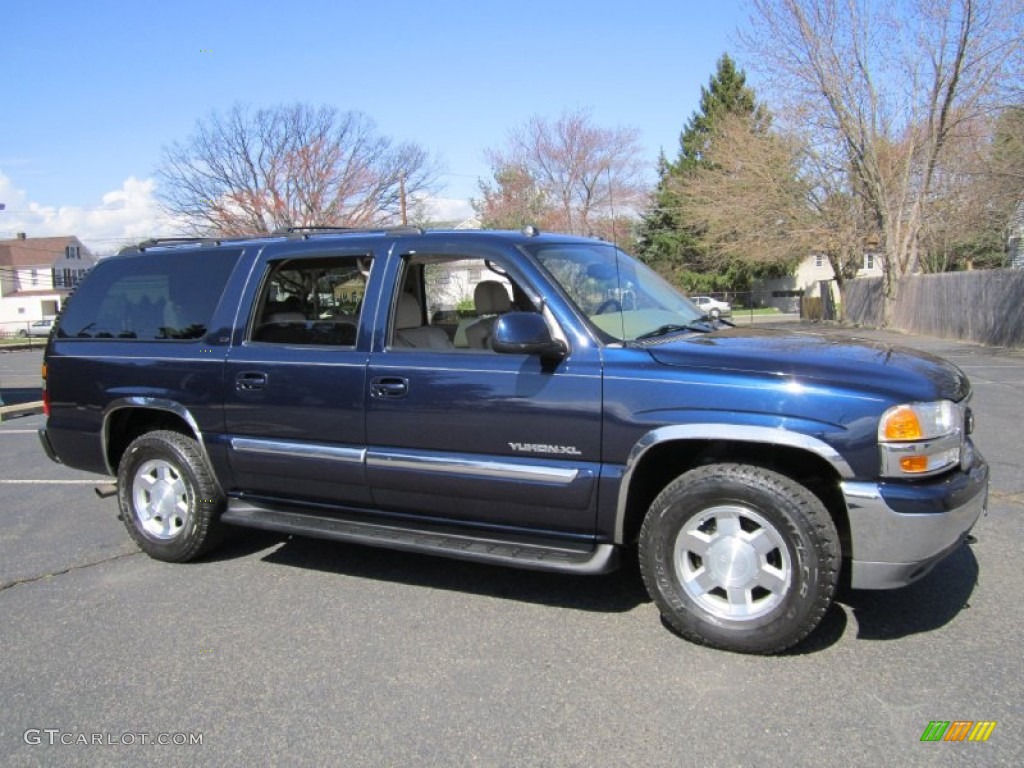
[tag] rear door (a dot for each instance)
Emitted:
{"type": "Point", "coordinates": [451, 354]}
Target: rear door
{"type": "Point", "coordinates": [296, 384]}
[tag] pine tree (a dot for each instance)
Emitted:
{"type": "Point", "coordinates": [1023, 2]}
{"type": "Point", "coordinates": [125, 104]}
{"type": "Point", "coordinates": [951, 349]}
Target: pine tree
{"type": "Point", "coordinates": [666, 241]}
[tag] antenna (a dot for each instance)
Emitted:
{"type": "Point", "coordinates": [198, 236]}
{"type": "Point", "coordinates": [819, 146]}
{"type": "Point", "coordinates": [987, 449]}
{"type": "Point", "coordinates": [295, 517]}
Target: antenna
{"type": "Point", "coordinates": [611, 205]}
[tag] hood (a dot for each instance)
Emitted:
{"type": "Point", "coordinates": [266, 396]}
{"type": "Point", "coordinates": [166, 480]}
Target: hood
{"type": "Point", "coordinates": [906, 375]}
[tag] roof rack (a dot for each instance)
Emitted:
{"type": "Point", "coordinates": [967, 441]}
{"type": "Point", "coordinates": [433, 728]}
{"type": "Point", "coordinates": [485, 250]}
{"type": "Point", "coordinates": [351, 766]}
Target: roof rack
{"type": "Point", "coordinates": [163, 242]}
{"type": "Point", "coordinates": [292, 232]}
{"type": "Point", "coordinates": [306, 232]}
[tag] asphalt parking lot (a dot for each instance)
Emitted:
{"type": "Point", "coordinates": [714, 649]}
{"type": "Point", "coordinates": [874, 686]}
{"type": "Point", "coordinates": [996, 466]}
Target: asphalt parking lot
{"type": "Point", "coordinates": [283, 651]}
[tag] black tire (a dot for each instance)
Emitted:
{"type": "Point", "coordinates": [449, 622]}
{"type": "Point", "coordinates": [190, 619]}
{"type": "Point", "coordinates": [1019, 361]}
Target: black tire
{"type": "Point", "coordinates": [715, 313]}
{"type": "Point", "coordinates": [739, 557]}
{"type": "Point", "coordinates": [169, 500]}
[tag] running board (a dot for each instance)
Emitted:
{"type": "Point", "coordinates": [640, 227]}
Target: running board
{"type": "Point", "coordinates": [487, 548]}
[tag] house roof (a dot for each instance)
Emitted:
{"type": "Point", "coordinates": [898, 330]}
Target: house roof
{"type": "Point", "coordinates": [37, 251]}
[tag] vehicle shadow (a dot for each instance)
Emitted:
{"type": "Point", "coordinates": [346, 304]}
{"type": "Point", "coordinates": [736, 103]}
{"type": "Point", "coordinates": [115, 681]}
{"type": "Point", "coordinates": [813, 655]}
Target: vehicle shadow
{"type": "Point", "coordinates": [243, 542]}
{"type": "Point", "coordinates": [619, 591]}
{"type": "Point", "coordinates": [923, 606]}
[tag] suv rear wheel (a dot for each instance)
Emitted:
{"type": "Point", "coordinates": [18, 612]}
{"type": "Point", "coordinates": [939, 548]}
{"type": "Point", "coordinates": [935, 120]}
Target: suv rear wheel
{"type": "Point", "coordinates": [739, 557]}
{"type": "Point", "coordinates": [168, 498]}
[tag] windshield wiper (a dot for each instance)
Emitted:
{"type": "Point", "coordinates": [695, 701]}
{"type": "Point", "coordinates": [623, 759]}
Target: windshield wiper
{"type": "Point", "coordinates": [673, 328]}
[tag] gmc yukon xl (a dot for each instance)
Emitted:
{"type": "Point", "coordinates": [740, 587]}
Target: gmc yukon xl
{"type": "Point", "coordinates": [526, 399]}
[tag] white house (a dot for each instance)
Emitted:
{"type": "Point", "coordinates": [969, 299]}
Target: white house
{"type": "Point", "coordinates": [36, 275]}
{"type": "Point", "coordinates": [785, 293]}
{"type": "Point", "coordinates": [1015, 237]}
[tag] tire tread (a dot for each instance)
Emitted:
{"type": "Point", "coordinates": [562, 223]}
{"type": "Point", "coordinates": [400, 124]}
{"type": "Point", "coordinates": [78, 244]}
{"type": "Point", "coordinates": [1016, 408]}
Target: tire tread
{"type": "Point", "coordinates": [209, 499]}
{"type": "Point", "coordinates": [807, 506]}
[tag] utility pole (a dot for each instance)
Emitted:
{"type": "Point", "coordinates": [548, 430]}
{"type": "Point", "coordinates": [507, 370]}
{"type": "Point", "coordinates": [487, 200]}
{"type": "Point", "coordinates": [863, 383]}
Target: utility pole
{"type": "Point", "coordinates": [401, 193]}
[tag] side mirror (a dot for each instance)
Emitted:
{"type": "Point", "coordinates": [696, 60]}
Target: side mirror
{"type": "Point", "coordinates": [525, 333]}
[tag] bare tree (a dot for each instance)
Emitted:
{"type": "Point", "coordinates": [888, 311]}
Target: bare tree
{"type": "Point", "coordinates": [253, 171]}
{"type": "Point", "coordinates": [886, 85]}
{"type": "Point", "coordinates": [512, 200]}
{"type": "Point", "coordinates": [763, 197]}
{"type": "Point", "coordinates": [580, 173]}
{"type": "Point", "coordinates": [976, 187]}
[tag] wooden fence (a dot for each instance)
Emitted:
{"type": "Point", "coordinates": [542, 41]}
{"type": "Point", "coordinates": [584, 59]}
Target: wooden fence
{"type": "Point", "coordinates": [985, 306]}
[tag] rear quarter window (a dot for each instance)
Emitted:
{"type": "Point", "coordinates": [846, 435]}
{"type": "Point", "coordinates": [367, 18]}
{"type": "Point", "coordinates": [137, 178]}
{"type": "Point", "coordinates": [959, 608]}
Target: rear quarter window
{"type": "Point", "coordinates": [161, 296]}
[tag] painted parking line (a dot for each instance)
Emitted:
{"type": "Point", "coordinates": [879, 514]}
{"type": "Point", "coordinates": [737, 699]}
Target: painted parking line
{"type": "Point", "coordinates": [1011, 367]}
{"type": "Point", "coordinates": [50, 482]}
{"type": "Point", "coordinates": [18, 431]}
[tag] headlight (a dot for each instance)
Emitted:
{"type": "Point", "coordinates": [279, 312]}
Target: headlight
{"type": "Point", "coordinates": [919, 439]}
{"type": "Point", "coordinates": [920, 421]}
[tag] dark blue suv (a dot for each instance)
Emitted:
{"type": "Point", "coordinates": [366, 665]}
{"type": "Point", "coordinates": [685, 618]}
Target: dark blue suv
{"type": "Point", "coordinates": [538, 401]}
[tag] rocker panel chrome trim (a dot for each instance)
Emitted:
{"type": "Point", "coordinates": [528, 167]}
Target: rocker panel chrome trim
{"type": "Point", "coordinates": [497, 470]}
{"type": "Point", "coordinates": [341, 454]}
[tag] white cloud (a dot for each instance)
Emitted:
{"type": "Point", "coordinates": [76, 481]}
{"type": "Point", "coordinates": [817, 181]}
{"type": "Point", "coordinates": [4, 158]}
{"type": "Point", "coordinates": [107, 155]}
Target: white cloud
{"type": "Point", "coordinates": [126, 215]}
{"type": "Point", "coordinates": [131, 214]}
{"type": "Point", "coordinates": [446, 208]}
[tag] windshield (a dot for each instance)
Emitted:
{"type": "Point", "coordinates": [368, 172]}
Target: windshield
{"type": "Point", "coordinates": [621, 296]}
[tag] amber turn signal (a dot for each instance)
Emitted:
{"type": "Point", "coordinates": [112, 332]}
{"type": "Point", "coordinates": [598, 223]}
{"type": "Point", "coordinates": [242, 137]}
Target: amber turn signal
{"type": "Point", "coordinates": [903, 424]}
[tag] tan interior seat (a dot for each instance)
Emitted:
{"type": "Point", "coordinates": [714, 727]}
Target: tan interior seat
{"type": "Point", "coordinates": [490, 299]}
{"type": "Point", "coordinates": [409, 328]}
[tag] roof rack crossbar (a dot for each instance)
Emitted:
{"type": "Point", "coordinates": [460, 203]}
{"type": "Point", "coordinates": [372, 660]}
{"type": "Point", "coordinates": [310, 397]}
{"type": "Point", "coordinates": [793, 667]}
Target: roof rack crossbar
{"type": "Point", "coordinates": [160, 242]}
{"type": "Point", "coordinates": [306, 232]}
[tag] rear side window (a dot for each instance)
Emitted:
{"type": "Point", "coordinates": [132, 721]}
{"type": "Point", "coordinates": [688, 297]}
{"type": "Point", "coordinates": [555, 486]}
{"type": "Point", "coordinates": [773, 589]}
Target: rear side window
{"type": "Point", "coordinates": [162, 296]}
{"type": "Point", "coordinates": [312, 301]}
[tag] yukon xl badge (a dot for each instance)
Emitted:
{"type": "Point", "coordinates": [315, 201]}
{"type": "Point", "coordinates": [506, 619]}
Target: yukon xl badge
{"type": "Point", "coordinates": [568, 450]}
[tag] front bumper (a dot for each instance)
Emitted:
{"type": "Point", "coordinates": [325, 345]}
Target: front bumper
{"type": "Point", "coordinates": [900, 531]}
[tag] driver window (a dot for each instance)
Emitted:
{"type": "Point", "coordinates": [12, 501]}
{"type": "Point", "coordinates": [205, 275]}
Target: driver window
{"type": "Point", "coordinates": [461, 297]}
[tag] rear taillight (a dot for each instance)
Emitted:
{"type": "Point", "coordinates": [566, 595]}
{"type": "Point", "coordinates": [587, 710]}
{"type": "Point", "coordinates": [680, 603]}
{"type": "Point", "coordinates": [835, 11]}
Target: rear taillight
{"type": "Point", "coordinates": [46, 393]}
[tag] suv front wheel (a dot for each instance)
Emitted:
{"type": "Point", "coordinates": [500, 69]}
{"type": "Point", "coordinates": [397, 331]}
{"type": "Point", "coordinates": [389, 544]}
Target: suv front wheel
{"type": "Point", "coordinates": [739, 557]}
{"type": "Point", "coordinates": [168, 498]}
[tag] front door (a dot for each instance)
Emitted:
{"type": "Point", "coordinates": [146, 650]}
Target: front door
{"type": "Point", "coordinates": [456, 431]}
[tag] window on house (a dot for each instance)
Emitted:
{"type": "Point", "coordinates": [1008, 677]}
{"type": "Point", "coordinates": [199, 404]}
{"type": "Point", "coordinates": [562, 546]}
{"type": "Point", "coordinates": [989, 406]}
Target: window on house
{"type": "Point", "coordinates": [34, 277]}
{"type": "Point", "coordinates": [819, 260]}
{"type": "Point", "coordinates": [869, 261]}
{"type": "Point", "coordinates": [72, 252]}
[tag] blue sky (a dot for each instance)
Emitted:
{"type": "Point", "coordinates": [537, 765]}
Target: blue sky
{"type": "Point", "coordinates": [91, 92]}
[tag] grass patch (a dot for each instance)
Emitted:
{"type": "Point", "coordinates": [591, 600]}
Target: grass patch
{"type": "Point", "coordinates": [18, 342]}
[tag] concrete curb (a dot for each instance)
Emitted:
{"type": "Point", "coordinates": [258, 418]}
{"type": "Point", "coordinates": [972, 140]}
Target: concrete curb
{"type": "Point", "coordinates": [20, 409]}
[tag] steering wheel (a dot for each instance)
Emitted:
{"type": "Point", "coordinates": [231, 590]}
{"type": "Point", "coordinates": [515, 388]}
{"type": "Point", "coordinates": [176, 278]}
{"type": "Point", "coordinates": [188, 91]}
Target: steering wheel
{"type": "Point", "coordinates": [609, 305]}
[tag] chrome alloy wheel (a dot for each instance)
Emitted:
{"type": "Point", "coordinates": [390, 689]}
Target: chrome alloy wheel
{"type": "Point", "coordinates": [733, 563]}
{"type": "Point", "coordinates": [160, 499]}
